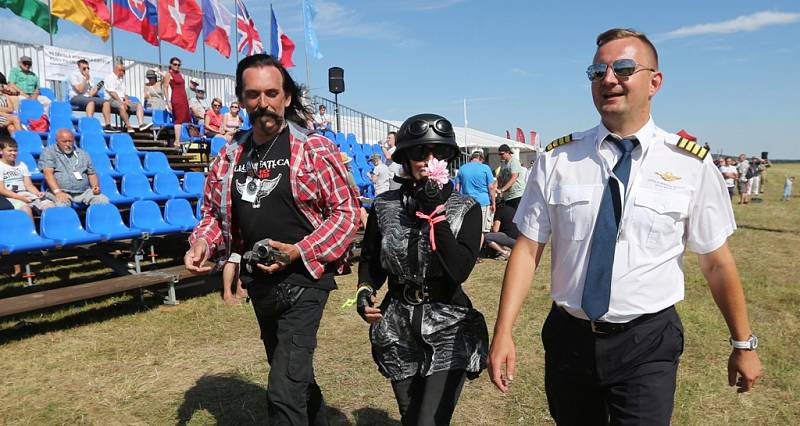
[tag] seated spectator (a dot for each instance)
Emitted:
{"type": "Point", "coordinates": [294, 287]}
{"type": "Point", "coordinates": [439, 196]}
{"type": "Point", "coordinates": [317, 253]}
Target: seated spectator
{"type": "Point", "coordinates": [154, 97]}
{"type": "Point", "coordinates": [69, 173]}
{"type": "Point", "coordinates": [26, 83]}
{"type": "Point", "coordinates": [8, 120]}
{"type": "Point", "coordinates": [504, 232]}
{"type": "Point", "coordinates": [213, 119]}
{"type": "Point", "coordinates": [84, 95]}
{"type": "Point", "coordinates": [120, 102]}
{"type": "Point", "coordinates": [231, 121]}
{"type": "Point", "coordinates": [198, 105]}
{"type": "Point", "coordinates": [9, 92]}
{"type": "Point", "coordinates": [321, 121]}
{"type": "Point", "coordinates": [15, 182]}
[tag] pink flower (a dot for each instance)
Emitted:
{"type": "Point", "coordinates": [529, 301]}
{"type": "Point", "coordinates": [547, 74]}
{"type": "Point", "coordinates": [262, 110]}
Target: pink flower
{"type": "Point", "coordinates": [437, 171]}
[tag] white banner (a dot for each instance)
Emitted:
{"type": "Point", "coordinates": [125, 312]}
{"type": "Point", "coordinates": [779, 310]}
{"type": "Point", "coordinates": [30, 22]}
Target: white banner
{"type": "Point", "coordinates": [60, 63]}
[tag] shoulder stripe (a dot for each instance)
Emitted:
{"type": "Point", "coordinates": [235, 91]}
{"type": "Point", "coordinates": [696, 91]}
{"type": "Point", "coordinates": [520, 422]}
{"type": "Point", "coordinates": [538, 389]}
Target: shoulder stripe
{"type": "Point", "coordinates": [558, 142]}
{"type": "Point", "coordinates": [693, 148]}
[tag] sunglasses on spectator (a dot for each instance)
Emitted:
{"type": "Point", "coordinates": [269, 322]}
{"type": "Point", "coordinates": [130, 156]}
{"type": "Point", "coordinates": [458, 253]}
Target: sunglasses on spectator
{"type": "Point", "coordinates": [175, 64]}
{"type": "Point", "coordinates": [27, 63]}
{"type": "Point", "coordinates": [421, 152]}
{"type": "Point", "coordinates": [234, 107]}
{"type": "Point", "coordinates": [622, 68]}
{"type": "Point", "coordinates": [216, 106]}
{"type": "Point", "coordinates": [84, 68]}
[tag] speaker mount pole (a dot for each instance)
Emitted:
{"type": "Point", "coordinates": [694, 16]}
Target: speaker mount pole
{"type": "Point", "coordinates": [338, 117]}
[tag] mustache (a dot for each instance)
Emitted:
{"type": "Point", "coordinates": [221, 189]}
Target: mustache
{"type": "Point", "coordinates": [263, 112]}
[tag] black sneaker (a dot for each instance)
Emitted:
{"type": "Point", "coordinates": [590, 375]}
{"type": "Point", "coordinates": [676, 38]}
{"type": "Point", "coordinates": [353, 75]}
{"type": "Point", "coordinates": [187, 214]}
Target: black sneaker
{"type": "Point", "coordinates": [109, 129]}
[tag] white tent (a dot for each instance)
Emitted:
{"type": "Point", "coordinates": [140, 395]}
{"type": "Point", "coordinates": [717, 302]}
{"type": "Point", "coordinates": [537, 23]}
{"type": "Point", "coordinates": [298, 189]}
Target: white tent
{"type": "Point", "coordinates": [476, 139]}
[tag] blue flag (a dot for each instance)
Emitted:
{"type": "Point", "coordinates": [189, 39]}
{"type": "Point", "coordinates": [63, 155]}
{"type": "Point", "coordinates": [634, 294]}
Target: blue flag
{"type": "Point", "coordinates": [309, 13]}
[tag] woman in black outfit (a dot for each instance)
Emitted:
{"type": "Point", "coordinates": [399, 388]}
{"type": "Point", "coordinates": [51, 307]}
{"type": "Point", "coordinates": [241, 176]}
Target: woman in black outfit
{"type": "Point", "coordinates": [426, 336]}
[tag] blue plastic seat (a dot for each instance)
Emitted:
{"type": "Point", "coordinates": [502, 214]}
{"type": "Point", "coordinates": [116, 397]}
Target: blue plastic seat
{"type": "Point", "coordinates": [24, 238]}
{"type": "Point", "coordinates": [105, 220]}
{"type": "Point", "coordinates": [166, 183]}
{"type": "Point", "coordinates": [185, 138]}
{"type": "Point", "coordinates": [157, 162]}
{"type": "Point", "coordinates": [108, 187]}
{"type": "Point", "coordinates": [128, 162]}
{"type": "Point", "coordinates": [162, 118]}
{"type": "Point", "coordinates": [102, 164]}
{"type": "Point", "coordinates": [91, 125]}
{"type": "Point", "coordinates": [61, 224]}
{"type": "Point", "coordinates": [193, 183]}
{"type": "Point", "coordinates": [60, 109]}
{"type": "Point", "coordinates": [146, 216]}
{"type": "Point", "coordinates": [122, 142]}
{"type": "Point", "coordinates": [136, 185]}
{"type": "Point", "coordinates": [95, 142]}
{"type": "Point", "coordinates": [48, 93]}
{"type": "Point", "coordinates": [330, 135]}
{"type": "Point", "coordinates": [217, 142]}
{"type": "Point", "coordinates": [61, 122]}
{"type": "Point", "coordinates": [30, 109]}
{"type": "Point", "coordinates": [179, 212]}
{"type": "Point", "coordinates": [33, 167]}
{"type": "Point", "coordinates": [29, 142]}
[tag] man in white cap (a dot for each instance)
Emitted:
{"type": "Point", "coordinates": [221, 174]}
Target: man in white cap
{"type": "Point", "coordinates": [199, 104]}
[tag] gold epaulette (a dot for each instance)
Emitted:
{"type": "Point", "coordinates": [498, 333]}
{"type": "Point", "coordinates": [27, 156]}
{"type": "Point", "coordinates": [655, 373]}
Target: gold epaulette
{"type": "Point", "coordinates": [558, 142]}
{"type": "Point", "coordinates": [692, 148]}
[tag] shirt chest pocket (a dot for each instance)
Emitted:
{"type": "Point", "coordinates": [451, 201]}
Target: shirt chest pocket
{"type": "Point", "coordinates": [571, 210]}
{"type": "Point", "coordinates": [307, 185]}
{"type": "Point", "coordinates": [660, 217]}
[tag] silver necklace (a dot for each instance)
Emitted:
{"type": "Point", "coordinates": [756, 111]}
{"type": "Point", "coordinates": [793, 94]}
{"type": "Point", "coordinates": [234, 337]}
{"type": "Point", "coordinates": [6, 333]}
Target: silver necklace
{"type": "Point", "coordinates": [264, 156]}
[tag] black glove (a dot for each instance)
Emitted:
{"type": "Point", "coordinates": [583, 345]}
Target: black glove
{"type": "Point", "coordinates": [364, 299]}
{"type": "Point", "coordinates": [428, 195]}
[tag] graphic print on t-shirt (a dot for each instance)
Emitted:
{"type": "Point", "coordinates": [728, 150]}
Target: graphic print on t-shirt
{"type": "Point", "coordinates": [253, 189]}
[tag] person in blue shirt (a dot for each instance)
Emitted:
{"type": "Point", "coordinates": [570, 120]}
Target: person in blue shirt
{"type": "Point", "coordinates": [476, 180]}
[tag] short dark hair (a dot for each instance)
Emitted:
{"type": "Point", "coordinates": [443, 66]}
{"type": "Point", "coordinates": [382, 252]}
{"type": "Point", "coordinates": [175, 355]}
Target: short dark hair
{"type": "Point", "coordinates": [175, 58]}
{"type": "Point", "coordinates": [10, 143]}
{"type": "Point", "coordinates": [3, 79]}
{"type": "Point", "coordinates": [392, 132]}
{"type": "Point", "coordinates": [620, 33]}
{"type": "Point", "coordinates": [504, 148]}
{"type": "Point", "coordinates": [82, 61]}
{"type": "Point", "coordinates": [296, 112]}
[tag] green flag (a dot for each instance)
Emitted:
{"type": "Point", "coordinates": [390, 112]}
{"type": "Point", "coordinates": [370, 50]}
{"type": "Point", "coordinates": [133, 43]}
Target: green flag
{"type": "Point", "coordinates": [34, 11]}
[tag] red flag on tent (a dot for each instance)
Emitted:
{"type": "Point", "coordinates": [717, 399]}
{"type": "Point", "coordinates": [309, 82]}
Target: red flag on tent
{"type": "Point", "coordinates": [684, 134]}
{"type": "Point", "coordinates": [534, 138]}
{"type": "Point", "coordinates": [520, 135]}
{"type": "Point", "coordinates": [180, 23]}
{"type": "Point", "coordinates": [508, 134]}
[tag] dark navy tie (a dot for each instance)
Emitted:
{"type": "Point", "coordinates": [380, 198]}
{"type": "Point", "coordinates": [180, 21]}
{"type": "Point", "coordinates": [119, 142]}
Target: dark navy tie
{"type": "Point", "coordinates": [597, 287]}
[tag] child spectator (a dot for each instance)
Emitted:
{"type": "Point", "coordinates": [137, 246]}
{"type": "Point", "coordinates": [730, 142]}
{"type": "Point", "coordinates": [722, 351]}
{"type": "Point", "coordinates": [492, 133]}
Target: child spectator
{"type": "Point", "coordinates": [787, 188]}
{"type": "Point", "coordinates": [15, 182]}
{"type": "Point", "coordinates": [230, 273]}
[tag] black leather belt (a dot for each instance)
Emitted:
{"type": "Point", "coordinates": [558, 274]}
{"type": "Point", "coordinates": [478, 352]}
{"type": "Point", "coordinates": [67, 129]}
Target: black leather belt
{"type": "Point", "coordinates": [601, 327]}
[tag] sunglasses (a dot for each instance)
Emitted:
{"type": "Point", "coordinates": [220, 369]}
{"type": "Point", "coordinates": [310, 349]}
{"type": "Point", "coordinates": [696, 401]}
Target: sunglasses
{"type": "Point", "coordinates": [621, 67]}
{"type": "Point", "coordinates": [27, 63]}
{"type": "Point", "coordinates": [216, 106]}
{"type": "Point", "coordinates": [84, 68]}
{"type": "Point", "coordinates": [440, 126]}
{"type": "Point", "coordinates": [234, 107]}
{"type": "Point", "coordinates": [174, 64]}
{"type": "Point", "coordinates": [421, 152]}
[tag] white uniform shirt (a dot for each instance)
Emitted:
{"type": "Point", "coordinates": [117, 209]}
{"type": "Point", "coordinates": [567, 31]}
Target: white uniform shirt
{"type": "Point", "coordinates": [116, 85]}
{"type": "Point", "coordinates": [673, 201]}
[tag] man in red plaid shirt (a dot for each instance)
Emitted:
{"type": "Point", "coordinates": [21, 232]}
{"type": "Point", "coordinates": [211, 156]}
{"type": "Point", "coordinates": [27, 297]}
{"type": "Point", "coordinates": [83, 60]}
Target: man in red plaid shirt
{"type": "Point", "coordinates": [282, 183]}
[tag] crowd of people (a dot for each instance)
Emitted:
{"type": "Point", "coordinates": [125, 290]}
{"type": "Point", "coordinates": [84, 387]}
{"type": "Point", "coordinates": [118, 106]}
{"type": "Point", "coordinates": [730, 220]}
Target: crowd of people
{"type": "Point", "coordinates": [748, 178]}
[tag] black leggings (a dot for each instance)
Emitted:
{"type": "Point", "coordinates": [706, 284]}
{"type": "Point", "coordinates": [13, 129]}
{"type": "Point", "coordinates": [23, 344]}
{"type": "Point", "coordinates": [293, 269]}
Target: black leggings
{"type": "Point", "coordinates": [429, 400]}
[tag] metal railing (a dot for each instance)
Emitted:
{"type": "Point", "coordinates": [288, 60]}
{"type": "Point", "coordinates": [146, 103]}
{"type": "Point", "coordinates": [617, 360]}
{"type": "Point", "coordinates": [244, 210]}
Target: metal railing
{"type": "Point", "coordinates": [368, 129]}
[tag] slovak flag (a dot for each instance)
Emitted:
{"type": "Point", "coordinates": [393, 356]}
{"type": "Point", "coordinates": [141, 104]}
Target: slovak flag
{"type": "Point", "coordinates": [216, 24]}
{"type": "Point", "coordinates": [180, 22]}
{"type": "Point", "coordinates": [137, 16]}
{"type": "Point", "coordinates": [249, 40]}
{"type": "Point", "coordinates": [281, 46]}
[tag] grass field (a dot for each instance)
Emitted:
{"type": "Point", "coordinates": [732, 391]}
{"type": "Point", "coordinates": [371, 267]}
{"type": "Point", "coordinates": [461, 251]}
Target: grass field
{"type": "Point", "coordinates": [115, 361]}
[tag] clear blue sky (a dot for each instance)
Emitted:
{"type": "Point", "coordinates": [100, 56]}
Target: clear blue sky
{"type": "Point", "coordinates": [730, 67]}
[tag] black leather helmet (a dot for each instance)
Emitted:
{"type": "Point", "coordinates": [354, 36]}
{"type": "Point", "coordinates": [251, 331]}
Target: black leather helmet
{"type": "Point", "coordinates": [426, 129]}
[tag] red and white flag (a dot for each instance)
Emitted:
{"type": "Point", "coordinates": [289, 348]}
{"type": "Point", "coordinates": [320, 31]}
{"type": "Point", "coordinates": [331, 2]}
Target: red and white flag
{"type": "Point", "coordinates": [180, 23]}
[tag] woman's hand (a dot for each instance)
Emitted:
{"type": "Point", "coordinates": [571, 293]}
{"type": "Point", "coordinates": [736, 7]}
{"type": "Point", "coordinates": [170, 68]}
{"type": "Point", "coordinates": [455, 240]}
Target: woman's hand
{"type": "Point", "coordinates": [365, 302]}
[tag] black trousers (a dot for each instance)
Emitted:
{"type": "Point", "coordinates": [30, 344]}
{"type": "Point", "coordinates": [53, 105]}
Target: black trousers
{"type": "Point", "coordinates": [290, 337]}
{"type": "Point", "coordinates": [514, 202]}
{"type": "Point", "coordinates": [429, 400]}
{"type": "Point", "coordinates": [627, 378]}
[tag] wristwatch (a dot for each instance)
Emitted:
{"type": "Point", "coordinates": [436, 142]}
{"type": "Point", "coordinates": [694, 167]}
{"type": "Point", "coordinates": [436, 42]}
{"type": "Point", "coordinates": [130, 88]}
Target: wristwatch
{"type": "Point", "coordinates": [749, 344]}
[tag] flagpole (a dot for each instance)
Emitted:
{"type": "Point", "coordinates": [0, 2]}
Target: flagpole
{"type": "Point", "coordinates": [271, 14]}
{"type": "Point", "coordinates": [50, 20]}
{"type": "Point", "coordinates": [112, 32]}
{"type": "Point", "coordinates": [305, 47]}
{"type": "Point", "coordinates": [466, 124]}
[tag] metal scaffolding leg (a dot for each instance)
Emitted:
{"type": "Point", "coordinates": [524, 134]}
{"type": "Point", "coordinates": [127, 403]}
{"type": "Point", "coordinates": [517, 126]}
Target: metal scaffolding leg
{"type": "Point", "coordinates": [28, 275]}
{"type": "Point", "coordinates": [171, 299]}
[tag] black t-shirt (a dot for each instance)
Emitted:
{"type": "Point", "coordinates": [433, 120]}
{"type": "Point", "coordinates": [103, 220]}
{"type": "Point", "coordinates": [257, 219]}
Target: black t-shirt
{"type": "Point", "coordinates": [505, 215]}
{"type": "Point", "coordinates": [264, 207]}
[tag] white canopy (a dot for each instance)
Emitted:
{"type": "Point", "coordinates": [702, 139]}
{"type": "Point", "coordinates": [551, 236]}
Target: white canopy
{"type": "Point", "coordinates": [474, 139]}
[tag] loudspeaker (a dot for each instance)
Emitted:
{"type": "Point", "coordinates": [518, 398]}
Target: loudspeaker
{"type": "Point", "coordinates": [764, 154]}
{"type": "Point", "coordinates": [336, 80]}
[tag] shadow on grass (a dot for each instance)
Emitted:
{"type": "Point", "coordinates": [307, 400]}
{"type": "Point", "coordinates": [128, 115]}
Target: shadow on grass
{"type": "Point", "coordinates": [31, 324]}
{"type": "Point", "coordinates": [232, 400]}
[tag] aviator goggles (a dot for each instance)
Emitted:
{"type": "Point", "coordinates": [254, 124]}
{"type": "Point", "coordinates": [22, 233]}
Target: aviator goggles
{"type": "Point", "coordinates": [621, 67]}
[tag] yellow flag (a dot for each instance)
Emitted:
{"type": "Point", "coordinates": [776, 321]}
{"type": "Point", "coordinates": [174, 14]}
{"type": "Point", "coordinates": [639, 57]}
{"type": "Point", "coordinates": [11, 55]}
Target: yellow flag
{"type": "Point", "coordinates": [78, 12]}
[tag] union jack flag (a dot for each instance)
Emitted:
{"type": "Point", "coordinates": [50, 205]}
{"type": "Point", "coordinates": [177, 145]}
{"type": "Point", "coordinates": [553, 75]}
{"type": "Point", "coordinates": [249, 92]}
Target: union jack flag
{"type": "Point", "coordinates": [249, 40]}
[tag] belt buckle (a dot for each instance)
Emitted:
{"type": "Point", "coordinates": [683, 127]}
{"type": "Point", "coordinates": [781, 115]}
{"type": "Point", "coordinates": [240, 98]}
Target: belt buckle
{"type": "Point", "coordinates": [595, 329]}
{"type": "Point", "coordinates": [414, 296]}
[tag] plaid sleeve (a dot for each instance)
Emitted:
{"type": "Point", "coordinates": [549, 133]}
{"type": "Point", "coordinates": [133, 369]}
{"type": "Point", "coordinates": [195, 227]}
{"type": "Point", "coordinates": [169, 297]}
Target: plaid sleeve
{"type": "Point", "coordinates": [209, 228]}
{"type": "Point", "coordinates": [330, 240]}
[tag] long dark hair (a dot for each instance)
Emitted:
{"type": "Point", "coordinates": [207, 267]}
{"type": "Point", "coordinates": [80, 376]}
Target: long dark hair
{"type": "Point", "coordinates": [296, 112]}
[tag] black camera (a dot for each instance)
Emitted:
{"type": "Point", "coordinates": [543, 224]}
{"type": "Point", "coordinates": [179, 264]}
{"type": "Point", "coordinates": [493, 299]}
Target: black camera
{"type": "Point", "coordinates": [263, 253]}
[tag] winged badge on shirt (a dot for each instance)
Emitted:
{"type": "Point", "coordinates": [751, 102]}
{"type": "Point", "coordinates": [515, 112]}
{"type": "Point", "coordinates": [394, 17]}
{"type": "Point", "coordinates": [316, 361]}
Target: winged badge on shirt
{"type": "Point", "coordinates": [254, 189]}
